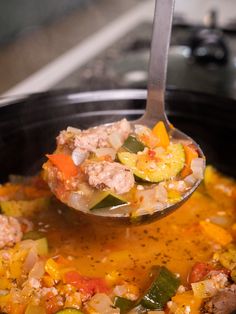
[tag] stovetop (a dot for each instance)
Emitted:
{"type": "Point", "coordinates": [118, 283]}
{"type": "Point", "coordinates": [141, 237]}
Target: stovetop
{"type": "Point", "coordinates": [198, 61]}
{"type": "Point", "coordinates": [202, 54]}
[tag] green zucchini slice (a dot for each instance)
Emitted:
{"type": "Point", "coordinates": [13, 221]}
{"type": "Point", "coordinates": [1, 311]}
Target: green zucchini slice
{"type": "Point", "coordinates": [32, 235]}
{"type": "Point", "coordinates": [106, 199]}
{"type": "Point", "coordinates": [133, 145]}
{"type": "Point", "coordinates": [42, 246]}
{"type": "Point", "coordinates": [169, 164]}
{"type": "Point", "coordinates": [24, 207]}
{"type": "Point", "coordinates": [163, 287]}
{"type": "Point", "coordinates": [123, 304]}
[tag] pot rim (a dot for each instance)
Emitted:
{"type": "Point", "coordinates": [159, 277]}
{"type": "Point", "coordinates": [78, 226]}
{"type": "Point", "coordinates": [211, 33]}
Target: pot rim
{"type": "Point", "coordinates": [105, 95]}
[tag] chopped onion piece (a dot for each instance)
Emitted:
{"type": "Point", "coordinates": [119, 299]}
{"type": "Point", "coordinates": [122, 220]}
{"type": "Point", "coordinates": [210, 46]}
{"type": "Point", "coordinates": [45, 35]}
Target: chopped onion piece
{"type": "Point", "coordinates": [3, 292]}
{"type": "Point", "coordinates": [223, 221]}
{"type": "Point", "coordinates": [141, 129]}
{"type": "Point", "coordinates": [179, 186]}
{"type": "Point", "coordinates": [79, 155]}
{"type": "Point", "coordinates": [197, 166]}
{"type": "Point", "coordinates": [115, 140]}
{"type": "Point", "coordinates": [120, 290]}
{"type": "Point", "coordinates": [101, 303]}
{"type": "Point", "coordinates": [161, 193]}
{"type": "Point", "coordinates": [38, 270]}
{"type": "Point", "coordinates": [107, 151]}
{"type": "Point", "coordinates": [30, 260]}
{"type": "Point", "coordinates": [127, 291]}
{"type": "Point", "coordinates": [158, 206]}
{"type": "Point", "coordinates": [77, 201]}
{"type": "Point", "coordinates": [16, 294]}
{"type": "Point", "coordinates": [147, 198]}
{"type": "Point", "coordinates": [190, 180]}
{"type": "Point", "coordinates": [73, 130]}
{"type": "Point", "coordinates": [27, 244]}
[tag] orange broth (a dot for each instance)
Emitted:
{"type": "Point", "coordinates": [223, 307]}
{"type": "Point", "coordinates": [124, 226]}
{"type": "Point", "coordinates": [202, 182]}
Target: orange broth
{"type": "Point", "coordinates": [90, 254]}
{"type": "Point", "coordinates": [96, 249]}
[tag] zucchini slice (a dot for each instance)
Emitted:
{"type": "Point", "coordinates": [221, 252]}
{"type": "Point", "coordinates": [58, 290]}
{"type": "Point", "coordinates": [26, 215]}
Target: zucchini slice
{"type": "Point", "coordinates": [106, 199]}
{"type": "Point", "coordinates": [123, 304]}
{"type": "Point", "coordinates": [42, 246]}
{"type": "Point", "coordinates": [24, 207]}
{"type": "Point", "coordinates": [40, 241]}
{"type": "Point", "coordinates": [133, 145]}
{"type": "Point", "coordinates": [170, 163]}
{"type": "Point", "coordinates": [163, 287]}
{"type": "Point", "coordinates": [32, 235]}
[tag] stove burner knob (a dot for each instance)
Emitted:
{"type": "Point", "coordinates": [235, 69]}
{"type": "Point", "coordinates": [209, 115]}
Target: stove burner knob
{"type": "Point", "coordinates": [208, 47]}
{"type": "Point", "coordinates": [207, 43]}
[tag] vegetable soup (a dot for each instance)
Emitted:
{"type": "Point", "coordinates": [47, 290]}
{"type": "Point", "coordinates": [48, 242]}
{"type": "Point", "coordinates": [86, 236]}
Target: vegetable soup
{"type": "Point", "coordinates": [121, 169]}
{"type": "Point", "coordinates": [55, 260]}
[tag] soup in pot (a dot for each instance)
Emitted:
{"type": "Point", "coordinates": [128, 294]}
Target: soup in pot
{"type": "Point", "coordinates": [54, 260]}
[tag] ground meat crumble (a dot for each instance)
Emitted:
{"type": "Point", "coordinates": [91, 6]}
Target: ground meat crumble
{"type": "Point", "coordinates": [93, 138]}
{"type": "Point", "coordinates": [10, 231]}
{"type": "Point", "coordinates": [109, 175]}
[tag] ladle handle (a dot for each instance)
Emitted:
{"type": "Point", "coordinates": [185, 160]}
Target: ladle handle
{"type": "Point", "coordinates": [155, 107]}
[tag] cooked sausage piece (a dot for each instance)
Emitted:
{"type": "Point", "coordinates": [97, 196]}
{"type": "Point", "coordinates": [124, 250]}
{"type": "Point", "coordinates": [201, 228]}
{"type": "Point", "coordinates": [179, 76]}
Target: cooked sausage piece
{"type": "Point", "coordinates": [111, 175]}
{"type": "Point", "coordinates": [224, 302]}
{"type": "Point", "coordinates": [10, 231]}
{"type": "Point", "coordinates": [93, 138]}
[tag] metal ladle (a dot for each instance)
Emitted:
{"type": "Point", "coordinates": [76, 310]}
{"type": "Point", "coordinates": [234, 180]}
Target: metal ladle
{"type": "Point", "coordinates": [155, 106]}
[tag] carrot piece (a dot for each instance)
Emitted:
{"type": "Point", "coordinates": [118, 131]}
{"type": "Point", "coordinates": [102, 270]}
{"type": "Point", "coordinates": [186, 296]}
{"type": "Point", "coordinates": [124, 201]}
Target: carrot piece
{"type": "Point", "coordinates": [190, 154]}
{"type": "Point", "coordinates": [65, 164]}
{"type": "Point", "coordinates": [216, 233]}
{"type": "Point", "coordinates": [160, 131]}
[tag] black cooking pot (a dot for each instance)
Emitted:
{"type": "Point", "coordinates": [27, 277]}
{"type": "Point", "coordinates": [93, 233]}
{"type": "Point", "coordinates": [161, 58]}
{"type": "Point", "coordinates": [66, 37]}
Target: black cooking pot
{"type": "Point", "coordinates": [29, 125]}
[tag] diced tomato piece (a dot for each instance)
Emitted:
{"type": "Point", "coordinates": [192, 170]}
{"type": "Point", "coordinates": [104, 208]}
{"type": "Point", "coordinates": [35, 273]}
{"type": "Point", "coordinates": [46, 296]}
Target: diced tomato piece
{"type": "Point", "coordinates": [86, 285]}
{"type": "Point", "coordinates": [199, 271]}
{"type": "Point", "coordinates": [151, 153]}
